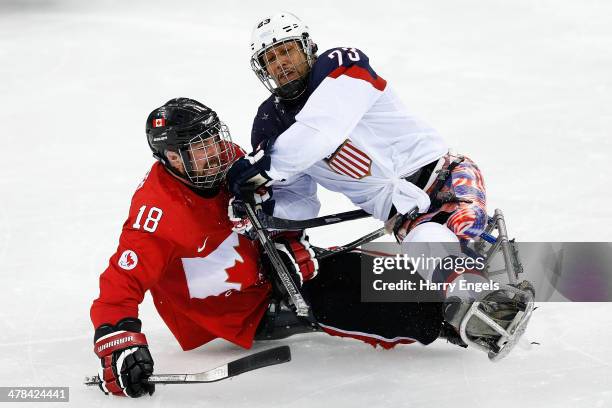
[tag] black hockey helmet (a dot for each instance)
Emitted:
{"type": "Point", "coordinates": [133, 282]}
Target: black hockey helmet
{"type": "Point", "coordinates": [194, 131]}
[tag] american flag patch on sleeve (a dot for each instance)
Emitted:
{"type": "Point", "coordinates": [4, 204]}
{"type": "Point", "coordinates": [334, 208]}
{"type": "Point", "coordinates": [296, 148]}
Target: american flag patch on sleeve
{"type": "Point", "coordinates": [350, 161]}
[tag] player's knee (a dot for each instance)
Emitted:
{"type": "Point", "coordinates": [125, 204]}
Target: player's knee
{"type": "Point", "coordinates": [430, 232]}
{"type": "Point", "coordinates": [468, 222]}
{"type": "Point", "coordinates": [430, 240]}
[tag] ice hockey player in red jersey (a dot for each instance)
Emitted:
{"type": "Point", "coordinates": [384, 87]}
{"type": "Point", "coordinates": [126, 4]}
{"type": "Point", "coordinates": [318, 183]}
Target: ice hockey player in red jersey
{"type": "Point", "coordinates": [177, 229]}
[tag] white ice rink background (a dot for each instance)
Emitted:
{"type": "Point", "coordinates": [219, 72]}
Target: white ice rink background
{"type": "Point", "coordinates": [523, 87]}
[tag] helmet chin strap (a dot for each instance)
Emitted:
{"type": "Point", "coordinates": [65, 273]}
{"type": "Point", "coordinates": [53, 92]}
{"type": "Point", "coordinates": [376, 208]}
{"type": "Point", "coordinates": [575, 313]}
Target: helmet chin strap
{"type": "Point", "coordinates": [293, 89]}
{"type": "Point", "coordinates": [171, 169]}
{"type": "Point", "coordinates": [174, 171]}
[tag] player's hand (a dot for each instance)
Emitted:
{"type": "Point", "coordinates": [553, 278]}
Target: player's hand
{"type": "Point", "coordinates": [399, 224]}
{"type": "Point", "coordinates": [236, 212]}
{"type": "Point", "coordinates": [125, 359]}
{"type": "Point", "coordinates": [297, 254]}
{"type": "Point", "coordinates": [247, 178]}
{"type": "Point", "coordinates": [238, 217]}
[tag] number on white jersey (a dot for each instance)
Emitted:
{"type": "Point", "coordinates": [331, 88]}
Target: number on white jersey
{"type": "Point", "coordinates": [350, 52]}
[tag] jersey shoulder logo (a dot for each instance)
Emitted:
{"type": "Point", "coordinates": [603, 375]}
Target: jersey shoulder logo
{"type": "Point", "coordinates": [143, 180]}
{"type": "Point", "coordinates": [350, 161]}
{"type": "Point", "coordinates": [128, 260]}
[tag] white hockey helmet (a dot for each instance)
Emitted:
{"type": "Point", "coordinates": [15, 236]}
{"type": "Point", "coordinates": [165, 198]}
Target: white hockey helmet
{"type": "Point", "coordinates": [269, 34]}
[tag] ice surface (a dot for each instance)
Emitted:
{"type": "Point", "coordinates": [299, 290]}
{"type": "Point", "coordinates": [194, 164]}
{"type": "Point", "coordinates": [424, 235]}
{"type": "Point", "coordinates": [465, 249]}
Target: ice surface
{"type": "Point", "coordinates": [523, 87]}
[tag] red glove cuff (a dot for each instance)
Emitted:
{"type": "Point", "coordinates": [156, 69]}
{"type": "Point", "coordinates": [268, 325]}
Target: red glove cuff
{"type": "Point", "coordinates": [106, 345]}
{"type": "Point", "coordinates": [296, 245]}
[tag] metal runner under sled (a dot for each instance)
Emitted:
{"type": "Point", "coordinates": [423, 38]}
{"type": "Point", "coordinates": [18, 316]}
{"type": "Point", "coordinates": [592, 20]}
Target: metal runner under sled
{"type": "Point", "coordinates": [520, 294]}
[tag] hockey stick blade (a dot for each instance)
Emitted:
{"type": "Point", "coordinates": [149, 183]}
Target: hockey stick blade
{"type": "Point", "coordinates": [273, 356]}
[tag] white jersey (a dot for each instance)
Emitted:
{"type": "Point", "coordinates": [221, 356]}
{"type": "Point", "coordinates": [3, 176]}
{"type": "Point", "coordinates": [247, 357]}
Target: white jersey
{"type": "Point", "coordinates": [354, 136]}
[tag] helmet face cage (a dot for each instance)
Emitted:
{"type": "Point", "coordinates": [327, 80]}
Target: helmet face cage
{"type": "Point", "coordinates": [208, 156]}
{"type": "Point", "coordinates": [288, 85]}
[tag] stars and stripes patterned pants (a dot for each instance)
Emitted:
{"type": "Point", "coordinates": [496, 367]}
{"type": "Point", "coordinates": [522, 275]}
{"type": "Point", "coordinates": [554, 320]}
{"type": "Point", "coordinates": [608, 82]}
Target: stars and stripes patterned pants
{"type": "Point", "coordinates": [467, 218]}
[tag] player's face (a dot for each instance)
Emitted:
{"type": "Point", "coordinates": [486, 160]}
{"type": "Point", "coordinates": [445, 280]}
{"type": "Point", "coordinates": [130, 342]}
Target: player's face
{"type": "Point", "coordinates": [204, 161]}
{"type": "Point", "coordinates": [207, 156]}
{"type": "Point", "coordinates": [286, 62]}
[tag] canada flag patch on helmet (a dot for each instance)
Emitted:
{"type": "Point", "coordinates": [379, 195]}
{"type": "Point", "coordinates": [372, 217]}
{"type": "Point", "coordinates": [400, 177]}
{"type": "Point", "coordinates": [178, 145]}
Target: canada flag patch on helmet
{"type": "Point", "coordinates": [128, 260]}
{"type": "Point", "coordinates": [160, 122]}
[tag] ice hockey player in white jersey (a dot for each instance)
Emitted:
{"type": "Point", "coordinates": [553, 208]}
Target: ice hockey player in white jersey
{"type": "Point", "coordinates": [332, 120]}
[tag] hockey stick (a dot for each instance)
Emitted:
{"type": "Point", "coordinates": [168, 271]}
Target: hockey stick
{"type": "Point", "coordinates": [322, 253]}
{"type": "Point", "coordinates": [270, 222]}
{"type": "Point", "coordinates": [276, 355]}
{"type": "Point", "coordinates": [301, 307]}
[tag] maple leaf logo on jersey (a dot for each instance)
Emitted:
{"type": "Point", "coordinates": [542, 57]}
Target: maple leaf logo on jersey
{"type": "Point", "coordinates": [128, 260]}
{"type": "Point", "coordinates": [210, 275]}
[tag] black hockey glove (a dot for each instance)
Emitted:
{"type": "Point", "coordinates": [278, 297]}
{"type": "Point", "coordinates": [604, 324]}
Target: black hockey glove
{"type": "Point", "coordinates": [247, 178]}
{"type": "Point", "coordinates": [297, 253]}
{"type": "Point", "coordinates": [125, 359]}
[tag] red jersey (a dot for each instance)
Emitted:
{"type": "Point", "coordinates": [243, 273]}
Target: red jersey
{"type": "Point", "coordinates": [205, 280]}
